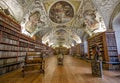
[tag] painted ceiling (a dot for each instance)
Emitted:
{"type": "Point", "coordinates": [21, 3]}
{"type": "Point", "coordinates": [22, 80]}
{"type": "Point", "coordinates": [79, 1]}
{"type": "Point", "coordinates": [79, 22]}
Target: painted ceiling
{"type": "Point", "coordinates": [60, 22]}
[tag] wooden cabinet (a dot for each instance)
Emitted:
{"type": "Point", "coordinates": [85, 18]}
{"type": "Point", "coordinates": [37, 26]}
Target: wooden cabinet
{"type": "Point", "coordinates": [9, 44]}
{"type": "Point", "coordinates": [108, 48]}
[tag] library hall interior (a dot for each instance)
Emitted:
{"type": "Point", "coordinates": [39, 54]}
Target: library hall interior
{"type": "Point", "coordinates": [59, 41]}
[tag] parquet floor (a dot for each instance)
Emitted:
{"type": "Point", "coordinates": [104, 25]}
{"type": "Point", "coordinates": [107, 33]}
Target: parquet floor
{"type": "Point", "coordinates": [73, 71]}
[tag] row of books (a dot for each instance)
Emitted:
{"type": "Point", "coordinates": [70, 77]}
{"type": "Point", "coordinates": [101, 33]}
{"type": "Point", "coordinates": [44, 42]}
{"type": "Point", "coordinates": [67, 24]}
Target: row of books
{"type": "Point", "coordinates": [112, 48]}
{"type": "Point", "coordinates": [9, 36]}
{"type": "Point", "coordinates": [14, 48]}
{"type": "Point", "coordinates": [10, 31]}
{"type": "Point", "coordinates": [1, 61]}
{"type": "Point", "coordinates": [9, 41]}
{"type": "Point", "coordinates": [37, 46]}
{"type": "Point", "coordinates": [7, 61]}
{"type": "Point", "coordinates": [10, 60]}
{"type": "Point", "coordinates": [21, 53]}
{"type": "Point", "coordinates": [8, 54]}
{"type": "Point", "coordinates": [14, 42]}
{"type": "Point", "coordinates": [113, 59]}
{"type": "Point", "coordinates": [8, 47]}
{"type": "Point", "coordinates": [30, 42]}
{"type": "Point", "coordinates": [11, 28]}
{"type": "Point", "coordinates": [111, 40]}
{"type": "Point", "coordinates": [30, 49]}
{"type": "Point", "coordinates": [21, 59]}
{"type": "Point", "coordinates": [9, 22]}
{"type": "Point", "coordinates": [37, 50]}
{"type": "Point", "coordinates": [24, 44]}
{"type": "Point", "coordinates": [31, 45]}
{"type": "Point", "coordinates": [11, 54]}
{"type": "Point", "coordinates": [9, 68]}
{"type": "Point", "coordinates": [112, 53]}
{"type": "Point", "coordinates": [25, 49]}
{"type": "Point", "coordinates": [111, 43]}
{"type": "Point", "coordinates": [22, 40]}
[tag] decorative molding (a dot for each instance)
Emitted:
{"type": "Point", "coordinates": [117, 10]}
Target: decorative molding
{"type": "Point", "coordinates": [105, 8]}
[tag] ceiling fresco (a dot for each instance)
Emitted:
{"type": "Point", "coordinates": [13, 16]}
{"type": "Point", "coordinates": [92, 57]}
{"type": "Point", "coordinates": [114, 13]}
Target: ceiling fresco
{"type": "Point", "coordinates": [32, 22]}
{"type": "Point", "coordinates": [61, 12]}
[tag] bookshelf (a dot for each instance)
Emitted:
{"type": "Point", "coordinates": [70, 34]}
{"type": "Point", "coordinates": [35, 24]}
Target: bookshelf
{"type": "Point", "coordinates": [73, 50]}
{"type": "Point", "coordinates": [82, 50]}
{"type": "Point", "coordinates": [108, 48]}
{"type": "Point", "coordinates": [14, 45]}
{"type": "Point", "coordinates": [77, 50]}
{"type": "Point", "coordinates": [9, 44]}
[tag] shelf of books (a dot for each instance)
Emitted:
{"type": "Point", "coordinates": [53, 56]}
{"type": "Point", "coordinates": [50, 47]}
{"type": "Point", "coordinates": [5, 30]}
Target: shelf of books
{"type": "Point", "coordinates": [108, 48]}
{"type": "Point", "coordinates": [73, 51]}
{"type": "Point", "coordinates": [9, 22]}
{"type": "Point", "coordinates": [14, 45]}
{"type": "Point", "coordinates": [9, 44]}
{"type": "Point", "coordinates": [77, 50]}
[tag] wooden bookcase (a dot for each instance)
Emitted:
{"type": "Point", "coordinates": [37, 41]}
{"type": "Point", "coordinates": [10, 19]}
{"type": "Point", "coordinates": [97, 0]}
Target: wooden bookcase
{"type": "Point", "coordinates": [77, 50]}
{"type": "Point", "coordinates": [14, 45]}
{"type": "Point", "coordinates": [82, 50]}
{"type": "Point", "coordinates": [72, 51]}
{"type": "Point", "coordinates": [9, 44]}
{"type": "Point", "coordinates": [108, 48]}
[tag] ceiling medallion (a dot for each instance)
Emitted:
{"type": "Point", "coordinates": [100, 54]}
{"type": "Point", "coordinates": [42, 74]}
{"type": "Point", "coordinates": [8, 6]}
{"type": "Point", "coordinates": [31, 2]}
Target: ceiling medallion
{"type": "Point", "coordinates": [61, 12]}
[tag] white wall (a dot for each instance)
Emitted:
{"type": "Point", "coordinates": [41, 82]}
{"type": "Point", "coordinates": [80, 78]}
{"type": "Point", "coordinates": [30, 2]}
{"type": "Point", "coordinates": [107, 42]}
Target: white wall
{"type": "Point", "coordinates": [116, 28]}
{"type": "Point", "coordinates": [117, 34]}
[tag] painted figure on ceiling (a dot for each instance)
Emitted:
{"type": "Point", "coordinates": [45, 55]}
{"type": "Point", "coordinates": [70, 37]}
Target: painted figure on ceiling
{"type": "Point", "coordinates": [34, 19]}
{"type": "Point", "coordinates": [90, 19]}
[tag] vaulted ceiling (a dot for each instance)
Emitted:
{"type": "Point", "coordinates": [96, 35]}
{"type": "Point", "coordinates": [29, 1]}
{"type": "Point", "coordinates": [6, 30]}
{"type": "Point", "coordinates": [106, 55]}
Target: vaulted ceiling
{"type": "Point", "coordinates": [61, 22]}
